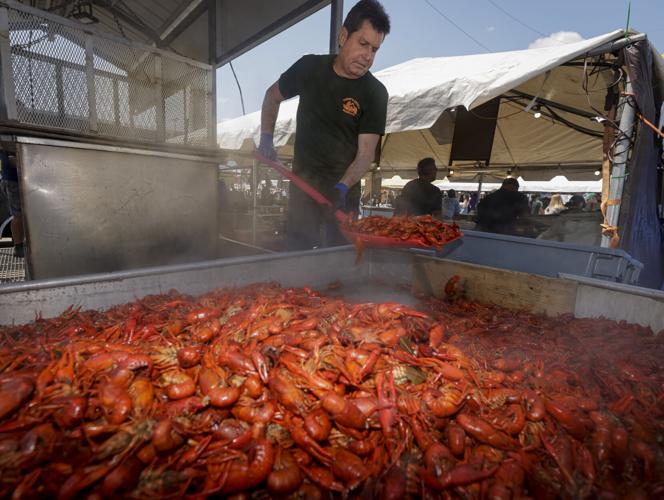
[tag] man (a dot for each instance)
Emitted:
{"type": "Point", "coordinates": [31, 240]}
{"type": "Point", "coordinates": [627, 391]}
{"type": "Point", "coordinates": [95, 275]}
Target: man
{"type": "Point", "coordinates": [10, 187]}
{"type": "Point", "coordinates": [420, 196]}
{"type": "Point", "coordinates": [499, 211]}
{"type": "Point", "coordinates": [535, 205]}
{"type": "Point", "coordinates": [451, 206]}
{"type": "Point", "coordinates": [340, 119]}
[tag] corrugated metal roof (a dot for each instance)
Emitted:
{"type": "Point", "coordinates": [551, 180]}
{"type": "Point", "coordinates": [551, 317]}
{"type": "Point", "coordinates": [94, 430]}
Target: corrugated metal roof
{"type": "Point", "coordinates": [182, 25]}
{"type": "Point", "coordinates": [144, 21]}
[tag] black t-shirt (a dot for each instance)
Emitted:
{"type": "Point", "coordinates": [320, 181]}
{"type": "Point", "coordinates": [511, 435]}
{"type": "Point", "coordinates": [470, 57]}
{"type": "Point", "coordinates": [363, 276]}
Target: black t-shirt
{"type": "Point", "coordinates": [331, 114]}
{"type": "Point", "coordinates": [499, 211]}
{"type": "Point", "coordinates": [419, 197]}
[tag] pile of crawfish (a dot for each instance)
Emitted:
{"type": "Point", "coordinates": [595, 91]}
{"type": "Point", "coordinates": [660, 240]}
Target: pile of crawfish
{"type": "Point", "coordinates": [266, 391]}
{"type": "Point", "coordinates": [422, 230]}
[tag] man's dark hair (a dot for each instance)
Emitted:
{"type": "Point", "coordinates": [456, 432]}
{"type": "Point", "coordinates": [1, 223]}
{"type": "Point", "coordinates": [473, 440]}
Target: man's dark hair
{"type": "Point", "coordinates": [511, 181]}
{"type": "Point", "coordinates": [369, 10]}
{"type": "Point", "coordinates": [576, 201]}
{"type": "Point", "coordinates": [451, 193]}
{"type": "Point", "coordinates": [426, 166]}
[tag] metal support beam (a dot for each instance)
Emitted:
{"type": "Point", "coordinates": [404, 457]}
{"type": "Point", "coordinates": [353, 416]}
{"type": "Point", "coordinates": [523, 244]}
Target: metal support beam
{"type": "Point", "coordinates": [131, 21]}
{"type": "Point", "coordinates": [610, 106]}
{"type": "Point", "coordinates": [616, 45]}
{"type": "Point", "coordinates": [8, 104]}
{"type": "Point", "coordinates": [336, 20]}
{"type": "Point", "coordinates": [178, 17]}
{"type": "Point", "coordinates": [254, 202]}
{"type": "Point", "coordinates": [480, 181]}
{"type": "Point", "coordinates": [283, 23]}
{"type": "Point", "coordinates": [620, 158]}
{"type": "Point", "coordinates": [160, 115]}
{"type": "Point", "coordinates": [193, 12]}
{"type": "Point", "coordinates": [90, 81]}
{"type": "Point", "coordinates": [212, 78]}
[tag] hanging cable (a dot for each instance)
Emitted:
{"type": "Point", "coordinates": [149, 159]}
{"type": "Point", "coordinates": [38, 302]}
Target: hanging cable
{"type": "Point", "coordinates": [458, 27]}
{"type": "Point", "coordinates": [572, 125]}
{"type": "Point", "coordinates": [514, 18]}
{"type": "Point", "coordinates": [239, 87]}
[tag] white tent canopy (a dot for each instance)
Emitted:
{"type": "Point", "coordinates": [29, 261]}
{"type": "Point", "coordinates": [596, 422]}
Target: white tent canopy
{"type": "Point", "coordinates": [424, 92]}
{"type": "Point", "coordinates": [558, 184]}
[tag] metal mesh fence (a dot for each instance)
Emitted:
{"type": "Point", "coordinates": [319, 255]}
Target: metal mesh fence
{"type": "Point", "coordinates": [12, 269]}
{"type": "Point", "coordinates": [185, 104]}
{"type": "Point", "coordinates": [65, 78]}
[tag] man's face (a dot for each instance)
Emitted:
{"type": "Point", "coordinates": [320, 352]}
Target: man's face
{"type": "Point", "coordinates": [357, 51]}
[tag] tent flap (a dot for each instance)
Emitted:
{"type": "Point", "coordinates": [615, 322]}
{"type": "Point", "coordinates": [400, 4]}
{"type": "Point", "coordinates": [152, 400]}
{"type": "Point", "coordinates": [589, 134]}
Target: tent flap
{"type": "Point", "coordinates": [642, 237]}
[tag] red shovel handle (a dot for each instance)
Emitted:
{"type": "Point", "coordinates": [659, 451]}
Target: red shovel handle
{"type": "Point", "coordinates": [302, 184]}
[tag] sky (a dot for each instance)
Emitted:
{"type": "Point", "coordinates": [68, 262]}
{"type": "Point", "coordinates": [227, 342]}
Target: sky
{"type": "Point", "coordinates": [437, 28]}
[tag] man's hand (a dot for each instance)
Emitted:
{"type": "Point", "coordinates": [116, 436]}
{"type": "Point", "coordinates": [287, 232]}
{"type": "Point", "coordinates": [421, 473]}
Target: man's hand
{"type": "Point", "coordinates": [340, 192]}
{"type": "Point", "coordinates": [266, 146]}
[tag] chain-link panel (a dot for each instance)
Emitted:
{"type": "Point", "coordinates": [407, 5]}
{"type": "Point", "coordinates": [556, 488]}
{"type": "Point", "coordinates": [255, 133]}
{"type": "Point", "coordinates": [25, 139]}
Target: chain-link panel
{"type": "Point", "coordinates": [130, 92]}
{"type": "Point", "coordinates": [125, 89]}
{"type": "Point", "coordinates": [48, 61]}
{"type": "Point", "coordinates": [186, 110]}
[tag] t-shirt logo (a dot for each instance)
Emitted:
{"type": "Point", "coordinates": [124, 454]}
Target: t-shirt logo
{"type": "Point", "coordinates": [351, 106]}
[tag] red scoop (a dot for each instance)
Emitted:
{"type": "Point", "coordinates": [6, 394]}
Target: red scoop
{"type": "Point", "coordinates": [303, 185]}
{"type": "Point", "coordinates": [367, 240]}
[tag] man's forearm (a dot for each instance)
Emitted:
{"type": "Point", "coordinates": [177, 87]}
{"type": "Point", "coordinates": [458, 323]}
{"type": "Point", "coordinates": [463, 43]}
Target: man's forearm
{"type": "Point", "coordinates": [366, 152]}
{"type": "Point", "coordinates": [270, 109]}
{"type": "Point", "coordinates": [357, 169]}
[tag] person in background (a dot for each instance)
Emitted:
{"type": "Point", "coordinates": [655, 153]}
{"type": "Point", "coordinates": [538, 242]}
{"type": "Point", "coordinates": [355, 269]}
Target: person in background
{"type": "Point", "coordinates": [391, 197]}
{"type": "Point", "coordinates": [420, 196]}
{"type": "Point", "coordinates": [9, 176]}
{"type": "Point", "coordinates": [451, 206]}
{"type": "Point", "coordinates": [224, 195]}
{"type": "Point", "coordinates": [266, 197]}
{"type": "Point", "coordinates": [592, 202]}
{"type": "Point", "coordinates": [472, 202]}
{"type": "Point", "coordinates": [574, 225]}
{"type": "Point", "coordinates": [500, 211]}
{"type": "Point", "coordinates": [536, 205]}
{"type": "Point", "coordinates": [463, 204]}
{"type": "Point", "coordinates": [555, 206]}
{"type": "Point", "coordinates": [340, 118]}
{"type": "Point", "coordinates": [576, 201]}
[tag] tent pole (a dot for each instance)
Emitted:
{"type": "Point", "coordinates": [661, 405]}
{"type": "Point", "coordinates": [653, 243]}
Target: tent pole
{"type": "Point", "coordinates": [375, 173]}
{"type": "Point", "coordinates": [254, 200]}
{"type": "Point", "coordinates": [620, 158]}
{"type": "Point", "coordinates": [336, 20]}
{"type": "Point", "coordinates": [609, 136]}
{"type": "Point", "coordinates": [479, 188]}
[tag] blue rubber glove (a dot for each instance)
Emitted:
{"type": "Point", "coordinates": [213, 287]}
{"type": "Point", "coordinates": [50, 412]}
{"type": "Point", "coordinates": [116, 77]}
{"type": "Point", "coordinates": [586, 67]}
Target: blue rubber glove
{"type": "Point", "coordinates": [266, 146]}
{"type": "Point", "coordinates": [341, 190]}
